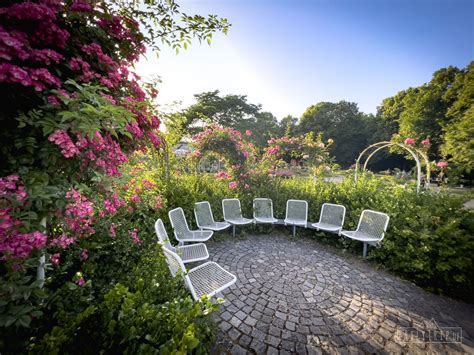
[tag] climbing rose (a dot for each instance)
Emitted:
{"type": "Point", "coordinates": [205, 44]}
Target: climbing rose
{"type": "Point", "coordinates": [425, 142]}
{"type": "Point", "coordinates": [55, 258]}
{"type": "Point", "coordinates": [134, 234]}
{"type": "Point", "coordinates": [84, 254]}
{"type": "Point", "coordinates": [409, 141]}
{"type": "Point", "coordinates": [232, 185]}
{"type": "Point", "coordinates": [442, 164]}
{"type": "Point", "coordinates": [113, 230]}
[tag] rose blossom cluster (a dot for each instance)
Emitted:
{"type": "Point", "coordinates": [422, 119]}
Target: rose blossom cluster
{"type": "Point", "coordinates": [79, 214]}
{"type": "Point", "coordinates": [13, 242]}
{"type": "Point", "coordinates": [134, 234]}
{"type": "Point", "coordinates": [21, 46]}
{"type": "Point", "coordinates": [36, 47]}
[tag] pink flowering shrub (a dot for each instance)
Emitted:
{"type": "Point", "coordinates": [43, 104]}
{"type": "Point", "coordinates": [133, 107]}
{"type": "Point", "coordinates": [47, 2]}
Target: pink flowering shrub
{"type": "Point", "coordinates": [238, 154]}
{"type": "Point", "coordinates": [15, 243]}
{"type": "Point", "coordinates": [286, 152]}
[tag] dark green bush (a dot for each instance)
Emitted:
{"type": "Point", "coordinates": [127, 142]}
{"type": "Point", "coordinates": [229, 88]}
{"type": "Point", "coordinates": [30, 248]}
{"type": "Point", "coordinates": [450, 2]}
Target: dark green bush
{"type": "Point", "coordinates": [149, 312]}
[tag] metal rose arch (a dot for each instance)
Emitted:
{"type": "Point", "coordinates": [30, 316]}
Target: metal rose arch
{"type": "Point", "coordinates": [417, 154]}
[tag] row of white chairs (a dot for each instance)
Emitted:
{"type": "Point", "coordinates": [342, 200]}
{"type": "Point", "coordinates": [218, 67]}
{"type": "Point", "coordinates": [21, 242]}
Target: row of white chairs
{"type": "Point", "coordinates": [210, 278]}
{"type": "Point", "coordinates": [370, 229]}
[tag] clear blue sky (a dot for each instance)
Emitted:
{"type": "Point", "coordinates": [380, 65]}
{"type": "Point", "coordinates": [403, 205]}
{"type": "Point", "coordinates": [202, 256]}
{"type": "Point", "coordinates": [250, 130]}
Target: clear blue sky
{"type": "Point", "coordinates": [287, 55]}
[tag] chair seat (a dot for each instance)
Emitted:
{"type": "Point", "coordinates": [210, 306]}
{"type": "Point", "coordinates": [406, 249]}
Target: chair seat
{"type": "Point", "coordinates": [240, 221]}
{"type": "Point", "coordinates": [193, 252]}
{"type": "Point", "coordinates": [209, 279]}
{"type": "Point", "coordinates": [197, 236]}
{"type": "Point", "coordinates": [270, 220]}
{"type": "Point", "coordinates": [296, 222]}
{"type": "Point", "coordinates": [216, 226]}
{"type": "Point", "coordinates": [362, 237]}
{"type": "Point", "coordinates": [327, 227]}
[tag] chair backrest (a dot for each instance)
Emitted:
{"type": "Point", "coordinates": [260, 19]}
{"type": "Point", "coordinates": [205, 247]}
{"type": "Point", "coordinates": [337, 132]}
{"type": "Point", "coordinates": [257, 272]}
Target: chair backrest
{"type": "Point", "coordinates": [262, 207]}
{"type": "Point", "coordinates": [179, 223]}
{"type": "Point", "coordinates": [373, 223]}
{"type": "Point", "coordinates": [297, 209]}
{"type": "Point", "coordinates": [175, 264]}
{"type": "Point", "coordinates": [332, 214]}
{"type": "Point", "coordinates": [203, 214]}
{"type": "Point", "coordinates": [231, 208]}
{"type": "Point", "coordinates": [162, 235]}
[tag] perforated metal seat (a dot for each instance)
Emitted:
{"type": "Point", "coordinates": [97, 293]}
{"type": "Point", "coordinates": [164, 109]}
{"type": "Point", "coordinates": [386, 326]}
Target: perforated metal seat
{"type": "Point", "coordinates": [181, 230]}
{"type": "Point", "coordinates": [188, 253]}
{"type": "Point", "coordinates": [296, 214]}
{"type": "Point", "coordinates": [263, 211]}
{"type": "Point", "coordinates": [370, 230]}
{"type": "Point", "coordinates": [206, 279]}
{"type": "Point", "coordinates": [331, 218]}
{"type": "Point", "coordinates": [205, 218]}
{"type": "Point", "coordinates": [233, 213]}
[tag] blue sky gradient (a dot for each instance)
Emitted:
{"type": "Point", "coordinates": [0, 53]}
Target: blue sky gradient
{"type": "Point", "coordinates": [287, 55]}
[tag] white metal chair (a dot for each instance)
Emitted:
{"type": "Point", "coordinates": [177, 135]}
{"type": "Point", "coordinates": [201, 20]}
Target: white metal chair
{"type": "Point", "coordinates": [263, 211]}
{"type": "Point", "coordinates": [188, 253]}
{"type": "Point", "coordinates": [370, 230]}
{"type": "Point", "coordinates": [205, 218]}
{"type": "Point", "coordinates": [182, 232]}
{"type": "Point", "coordinates": [233, 213]}
{"type": "Point", "coordinates": [331, 218]}
{"type": "Point", "coordinates": [296, 214]}
{"type": "Point", "coordinates": [206, 279]}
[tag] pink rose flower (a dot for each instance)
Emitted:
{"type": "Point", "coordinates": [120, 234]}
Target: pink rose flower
{"type": "Point", "coordinates": [232, 185]}
{"type": "Point", "coordinates": [409, 141]}
{"type": "Point", "coordinates": [84, 254]}
{"type": "Point", "coordinates": [113, 230]}
{"type": "Point", "coordinates": [55, 258]}
{"type": "Point", "coordinates": [248, 132]}
{"type": "Point", "coordinates": [442, 164]}
{"type": "Point", "coordinates": [425, 142]}
{"type": "Point", "coordinates": [81, 282]}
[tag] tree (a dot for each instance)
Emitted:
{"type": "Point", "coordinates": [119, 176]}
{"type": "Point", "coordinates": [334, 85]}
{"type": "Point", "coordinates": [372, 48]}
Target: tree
{"type": "Point", "coordinates": [231, 111]}
{"type": "Point", "coordinates": [342, 122]}
{"type": "Point", "coordinates": [425, 111]}
{"type": "Point", "coordinates": [458, 145]}
{"type": "Point", "coordinates": [288, 125]}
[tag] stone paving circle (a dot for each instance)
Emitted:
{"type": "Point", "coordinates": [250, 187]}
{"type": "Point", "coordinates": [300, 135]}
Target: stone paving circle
{"type": "Point", "coordinates": [294, 295]}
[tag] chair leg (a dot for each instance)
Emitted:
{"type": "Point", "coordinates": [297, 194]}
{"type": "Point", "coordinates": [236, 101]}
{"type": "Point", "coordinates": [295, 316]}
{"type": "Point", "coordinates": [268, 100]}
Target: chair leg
{"type": "Point", "coordinates": [294, 231]}
{"type": "Point", "coordinates": [364, 253]}
{"type": "Point", "coordinates": [233, 230]}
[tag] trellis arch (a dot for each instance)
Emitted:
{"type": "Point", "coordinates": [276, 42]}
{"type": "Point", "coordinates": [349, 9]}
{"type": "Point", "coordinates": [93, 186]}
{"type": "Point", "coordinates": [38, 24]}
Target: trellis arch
{"type": "Point", "coordinates": [415, 153]}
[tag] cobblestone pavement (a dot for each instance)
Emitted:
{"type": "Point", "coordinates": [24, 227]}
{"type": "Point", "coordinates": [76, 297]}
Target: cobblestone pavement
{"type": "Point", "coordinates": [298, 296]}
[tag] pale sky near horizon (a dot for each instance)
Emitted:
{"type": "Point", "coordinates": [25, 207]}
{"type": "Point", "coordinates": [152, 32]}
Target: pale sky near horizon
{"type": "Point", "coordinates": [288, 55]}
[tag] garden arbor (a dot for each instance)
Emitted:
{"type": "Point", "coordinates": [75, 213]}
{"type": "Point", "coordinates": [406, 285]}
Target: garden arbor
{"type": "Point", "coordinates": [417, 155]}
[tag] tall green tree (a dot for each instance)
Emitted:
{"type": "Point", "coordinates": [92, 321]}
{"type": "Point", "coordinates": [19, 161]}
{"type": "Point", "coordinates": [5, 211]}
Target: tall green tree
{"type": "Point", "coordinates": [342, 122]}
{"type": "Point", "coordinates": [288, 125]}
{"type": "Point", "coordinates": [228, 111]}
{"type": "Point", "coordinates": [458, 144]}
{"type": "Point", "coordinates": [425, 108]}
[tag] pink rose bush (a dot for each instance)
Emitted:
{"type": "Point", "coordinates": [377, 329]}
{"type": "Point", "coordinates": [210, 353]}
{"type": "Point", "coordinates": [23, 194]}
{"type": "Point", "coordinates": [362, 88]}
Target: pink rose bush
{"type": "Point", "coordinates": [14, 242]}
{"type": "Point", "coordinates": [285, 151]}
{"type": "Point", "coordinates": [237, 153]}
